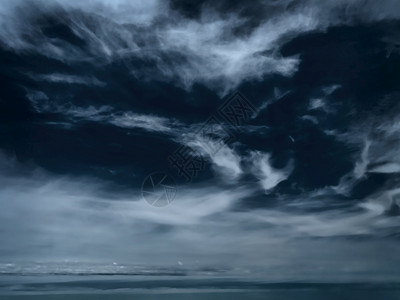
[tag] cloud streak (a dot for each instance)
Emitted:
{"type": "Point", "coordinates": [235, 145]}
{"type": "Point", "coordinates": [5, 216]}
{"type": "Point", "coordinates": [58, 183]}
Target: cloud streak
{"type": "Point", "coordinates": [70, 219]}
{"type": "Point", "coordinates": [171, 47]}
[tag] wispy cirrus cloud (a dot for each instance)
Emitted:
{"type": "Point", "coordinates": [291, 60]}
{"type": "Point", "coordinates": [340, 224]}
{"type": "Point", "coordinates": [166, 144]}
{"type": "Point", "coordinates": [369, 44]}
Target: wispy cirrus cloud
{"type": "Point", "coordinates": [68, 79]}
{"type": "Point", "coordinates": [269, 176]}
{"type": "Point", "coordinates": [71, 219]}
{"type": "Point", "coordinates": [105, 114]}
{"type": "Point", "coordinates": [206, 50]}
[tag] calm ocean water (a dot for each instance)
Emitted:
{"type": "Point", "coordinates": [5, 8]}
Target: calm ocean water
{"type": "Point", "coordinates": [116, 281]}
{"type": "Point", "coordinates": [60, 287]}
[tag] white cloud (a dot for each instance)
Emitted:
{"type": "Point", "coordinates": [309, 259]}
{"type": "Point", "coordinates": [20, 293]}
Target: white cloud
{"type": "Point", "coordinates": [386, 168]}
{"type": "Point", "coordinates": [69, 79]}
{"type": "Point", "coordinates": [312, 119]}
{"type": "Point", "coordinates": [226, 162]}
{"type": "Point", "coordinates": [269, 176]}
{"type": "Point", "coordinates": [330, 89]}
{"type": "Point", "coordinates": [321, 104]}
{"type": "Point", "coordinates": [69, 219]}
{"type": "Point", "coordinates": [362, 164]}
{"type": "Point", "coordinates": [278, 94]}
{"type": "Point", "coordinates": [316, 103]}
{"type": "Point", "coordinates": [216, 58]}
{"type": "Point", "coordinates": [106, 114]}
{"type": "Point", "coordinates": [374, 140]}
{"type": "Point", "coordinates": [147, 122]}
{"type": "Point", "coordinates": [183, 51]}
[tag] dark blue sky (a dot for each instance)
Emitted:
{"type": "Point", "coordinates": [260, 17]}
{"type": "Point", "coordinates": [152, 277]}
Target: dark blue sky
{"type": "Point", "coordinates": [95, 96]}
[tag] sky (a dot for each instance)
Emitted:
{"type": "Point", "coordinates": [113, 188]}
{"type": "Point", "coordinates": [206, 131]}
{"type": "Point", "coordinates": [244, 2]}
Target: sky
{"type": "Point", "coordinates": [286, 114]}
